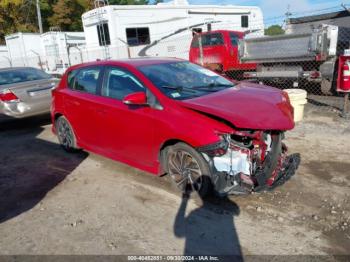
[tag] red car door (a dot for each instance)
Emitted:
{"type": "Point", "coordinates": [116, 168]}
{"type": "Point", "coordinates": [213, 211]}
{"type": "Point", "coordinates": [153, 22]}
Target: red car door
{"type": "Point", "coordinates": [126, 131]}
{"type": "Point", "coordinates": [80, 104]}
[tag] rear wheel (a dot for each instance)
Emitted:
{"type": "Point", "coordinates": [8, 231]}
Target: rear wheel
{"type": "Point", "coordinates": [188, 169]}
{"type": "Point", "coordinates": [65, 134]}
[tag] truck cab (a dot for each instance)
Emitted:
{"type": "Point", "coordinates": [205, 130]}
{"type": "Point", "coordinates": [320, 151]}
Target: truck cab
{"type": "Point", "coordinates": [219, 51]}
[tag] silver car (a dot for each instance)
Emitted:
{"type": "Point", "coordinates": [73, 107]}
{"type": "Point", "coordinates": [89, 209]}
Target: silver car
{"type": "Point", "coordinates": [25, 91]}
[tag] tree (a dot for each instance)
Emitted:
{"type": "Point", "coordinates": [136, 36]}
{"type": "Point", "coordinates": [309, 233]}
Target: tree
{"type": "Point", "coordinates": [274, 30]}
{"type": "Point", "coordinates": [67, 15]}
{"type": "Point", "coordinates": [46, 12]}
{"type": "Point", "coordinates": [16, 16]}
{"type": "Point", "coordinates": [128, 2]}
{"type": "Point", "coordinates": [20, 15]}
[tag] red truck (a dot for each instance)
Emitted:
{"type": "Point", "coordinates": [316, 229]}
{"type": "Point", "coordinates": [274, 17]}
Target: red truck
{"type": "Point", "coordinates": [218, 50]}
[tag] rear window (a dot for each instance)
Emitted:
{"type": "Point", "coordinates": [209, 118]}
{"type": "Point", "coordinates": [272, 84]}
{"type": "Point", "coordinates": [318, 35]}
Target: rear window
{"type": "Point", "coordinates": [22, 75]}
{"type": "Point", "coordinates": [85, 79]}
{"type": "Point", "coordinates": [208, 40]}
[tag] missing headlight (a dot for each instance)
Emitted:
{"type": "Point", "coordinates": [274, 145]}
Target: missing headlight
{"type": "Point", "coordinates": [216, 149]}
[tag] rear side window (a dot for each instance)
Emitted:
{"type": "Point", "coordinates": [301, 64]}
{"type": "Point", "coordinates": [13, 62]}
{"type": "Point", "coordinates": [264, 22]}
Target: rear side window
{"type": "Point", "coordinates": [85, 79]}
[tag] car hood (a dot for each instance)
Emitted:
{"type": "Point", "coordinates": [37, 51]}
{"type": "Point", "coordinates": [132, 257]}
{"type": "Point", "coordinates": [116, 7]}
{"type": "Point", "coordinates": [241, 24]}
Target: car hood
{"type": "Point", "coordinates": [247, 106]}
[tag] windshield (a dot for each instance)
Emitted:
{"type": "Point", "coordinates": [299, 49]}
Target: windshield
{"type": "Point", "coordinates": [13, 76]}
{"type": "Point", "coordinates": [184, 80]}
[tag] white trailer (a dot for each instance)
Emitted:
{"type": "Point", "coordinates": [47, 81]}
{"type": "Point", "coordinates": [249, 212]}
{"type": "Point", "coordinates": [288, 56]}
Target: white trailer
{"type": "Point", "coordinates": [5, 61]}
{"type": "Point", "coordinates": [62, 49]}
{"type": "Point", "coordinates": [24, 49]}
{"type": "Point", "coordinates": [164, 29]}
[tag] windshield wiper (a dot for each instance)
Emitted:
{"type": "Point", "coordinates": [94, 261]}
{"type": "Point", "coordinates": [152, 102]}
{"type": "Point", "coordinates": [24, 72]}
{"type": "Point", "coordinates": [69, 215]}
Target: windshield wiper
{"type": "Point", "coordinates": [210, 86]}
{"type": "Point", "coordinates": [179, 88]}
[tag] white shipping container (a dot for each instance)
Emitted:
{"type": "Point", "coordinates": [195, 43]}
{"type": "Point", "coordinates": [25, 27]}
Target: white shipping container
{"type": "Point", "coordinates": [24, 49]}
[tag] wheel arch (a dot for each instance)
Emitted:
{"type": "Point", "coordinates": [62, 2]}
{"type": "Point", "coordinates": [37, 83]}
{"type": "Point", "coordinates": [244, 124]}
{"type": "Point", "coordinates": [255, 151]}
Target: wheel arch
{"type": "Point", "coordinates": [54, 117]}
{"type": "Point", "coordinates": [165, 144]}
{"type": "Point", "coordinates": [57, 115]}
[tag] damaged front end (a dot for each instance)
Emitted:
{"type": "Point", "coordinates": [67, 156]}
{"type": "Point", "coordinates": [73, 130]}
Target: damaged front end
{"type": "Point", "coordinates": [246, 161]}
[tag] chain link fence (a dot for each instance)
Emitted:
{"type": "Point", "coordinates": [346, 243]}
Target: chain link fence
{"type": "Point", "coordinates": [305, 56]}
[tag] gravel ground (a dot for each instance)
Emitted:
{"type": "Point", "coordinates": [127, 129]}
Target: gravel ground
{"type": "Point", "coordinates": [52, 202]}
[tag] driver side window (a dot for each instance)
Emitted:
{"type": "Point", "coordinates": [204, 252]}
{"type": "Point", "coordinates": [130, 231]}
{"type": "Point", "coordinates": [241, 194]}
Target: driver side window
{"type": "Point", "coordinates": [119, 83]}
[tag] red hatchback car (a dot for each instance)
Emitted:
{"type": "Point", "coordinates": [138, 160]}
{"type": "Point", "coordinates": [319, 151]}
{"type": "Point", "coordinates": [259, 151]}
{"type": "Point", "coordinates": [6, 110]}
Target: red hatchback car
{"type": "Point", "coordinates": [172, 116]}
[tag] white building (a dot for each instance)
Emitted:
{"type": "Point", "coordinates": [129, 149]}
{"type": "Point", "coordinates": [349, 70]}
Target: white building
{"type": "Point", "coordinates": [165, 29]}
{"type": "Point", "coordinates": [306, 24]}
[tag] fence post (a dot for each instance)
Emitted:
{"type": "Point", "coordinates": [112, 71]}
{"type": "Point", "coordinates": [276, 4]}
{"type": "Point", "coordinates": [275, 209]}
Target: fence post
{"type": "Point", "coordinates": [200, 47]}
{"type": "Point", "coordinates": [9, 60]}
{"type": "Point", "coordinates": [346, 113]}
{"type": "Point", "coordinates": [200, 50]}
{"type": "Point", "coordinates": [39, 58]}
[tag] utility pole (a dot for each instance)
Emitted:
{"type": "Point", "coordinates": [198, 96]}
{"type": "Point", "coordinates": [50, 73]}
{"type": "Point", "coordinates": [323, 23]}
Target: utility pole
{"type": "Point", "coordinates": [40, 23]}
{"type": "Point", "coordinates": [288, 13]}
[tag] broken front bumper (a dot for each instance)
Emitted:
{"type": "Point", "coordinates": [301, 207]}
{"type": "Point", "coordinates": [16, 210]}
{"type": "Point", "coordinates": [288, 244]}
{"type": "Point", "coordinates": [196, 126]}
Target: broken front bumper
{"type": "Point", "coordinates": [249, 168]}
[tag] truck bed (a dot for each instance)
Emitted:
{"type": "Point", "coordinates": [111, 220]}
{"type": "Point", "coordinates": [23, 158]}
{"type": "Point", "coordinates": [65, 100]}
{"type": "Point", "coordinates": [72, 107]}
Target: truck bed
{"type": "Point", "coordinates": [293, 47]}
{"type": "Point", "coordinates": [319, 44]}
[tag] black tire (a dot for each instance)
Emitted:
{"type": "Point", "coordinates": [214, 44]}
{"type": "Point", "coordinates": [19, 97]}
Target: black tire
{"type": "Point", "coordinates": [65, 134]}
{"type": "Point", "coordinates": [195, 175]}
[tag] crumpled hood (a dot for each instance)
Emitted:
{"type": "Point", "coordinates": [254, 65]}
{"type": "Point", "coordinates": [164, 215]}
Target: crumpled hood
{"type": "Point", "coordinates": [247, 106]}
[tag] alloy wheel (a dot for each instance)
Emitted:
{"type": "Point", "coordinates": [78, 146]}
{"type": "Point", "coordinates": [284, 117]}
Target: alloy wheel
{"type": "Point", "coordinates": [184, 170]}
{"type": "Point", "coordinates": [65, 134]}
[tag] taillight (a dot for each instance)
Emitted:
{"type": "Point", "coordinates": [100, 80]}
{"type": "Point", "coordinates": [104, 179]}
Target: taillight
{"type": "Point", "coordinates": [315, 74]}
{"type": "Point", "coordinates": [7, 96]}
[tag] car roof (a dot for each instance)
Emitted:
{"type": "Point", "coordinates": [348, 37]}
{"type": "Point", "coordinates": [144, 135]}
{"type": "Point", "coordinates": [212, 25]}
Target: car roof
{"type": "Point", "coordinates": [222, 31]}
{"type": "Point", "coordinates": [135, 62]}
{"type": "Point", "coordinates": [16, 68]}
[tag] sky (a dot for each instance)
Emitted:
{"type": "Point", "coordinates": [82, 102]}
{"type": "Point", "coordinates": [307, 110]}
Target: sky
{"type": "Point", "coordinates": [274, 10]}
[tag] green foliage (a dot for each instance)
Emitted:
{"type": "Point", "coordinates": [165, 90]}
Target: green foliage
{"type": "Point", "coordinates": [274, 30]}
{"type": "Point", "coordinates": [128, 2]}
{"type": "Point", "coordinates": [20, 15]}
{"type": "Point", "coordinates": [67, 15]}
{"type": "Point", "coordinates": [14, 17]}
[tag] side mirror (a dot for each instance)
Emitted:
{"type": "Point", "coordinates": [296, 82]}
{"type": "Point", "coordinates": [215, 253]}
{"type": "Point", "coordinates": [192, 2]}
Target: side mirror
{"type": "Point", "coordinates": [138, 98]}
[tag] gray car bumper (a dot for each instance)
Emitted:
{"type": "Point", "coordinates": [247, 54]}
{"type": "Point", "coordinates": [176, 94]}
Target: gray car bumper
{"type": "Point", "coordinates": [18, 109]}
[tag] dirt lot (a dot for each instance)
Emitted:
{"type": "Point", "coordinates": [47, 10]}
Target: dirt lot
{"type": "Point", "coordinates": [52, 202]}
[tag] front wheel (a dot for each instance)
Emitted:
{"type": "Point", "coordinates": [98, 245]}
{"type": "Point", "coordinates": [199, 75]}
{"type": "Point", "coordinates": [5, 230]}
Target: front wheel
{"type": "Point", "coordinates": [65, 134]}
{"type": "Point", "coordinates": [188, 169]}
